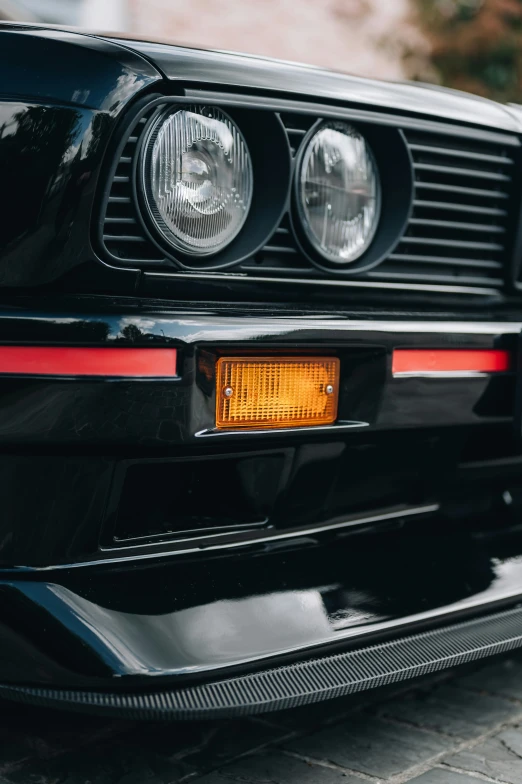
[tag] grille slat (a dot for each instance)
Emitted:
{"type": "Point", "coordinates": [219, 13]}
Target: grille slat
{"type": "Point", "coordinates": [437, 241]}
{"type": "Point", "coordinates": [473, 156]}
{"type": "Point", "coordinates": [133, 221]}
{"type": "Point", "coordinates": [120, 199]}
{"type": "Point", "coordinates": [450, 207]}
{"type": "Point", "coordinates": [443, 224]}
{"type": "Point", "coordinates": [457, 278]}
{"type": "Point", "coordinates": [461, 190]}
{"type": "Point", "coordinates": [123, 238]}
{"type": "Point", "coordinates": [279, 249]}
{"type": "Point", "coordinates": [458, 172]}
{"type": "Point", "coordinates": [450, 260]}
{"type": "Point", "coordinates": [296, 131]}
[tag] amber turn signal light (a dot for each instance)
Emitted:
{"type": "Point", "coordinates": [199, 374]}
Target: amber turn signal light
{"type": "Point", "coordinates": [271, 392]}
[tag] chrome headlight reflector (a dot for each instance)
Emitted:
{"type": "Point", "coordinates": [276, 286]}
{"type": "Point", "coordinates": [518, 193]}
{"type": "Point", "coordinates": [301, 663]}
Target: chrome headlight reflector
{"type": "Point", "coordinates": [338, 192]}
{"type": "Point", "coordinates": [197, 178]}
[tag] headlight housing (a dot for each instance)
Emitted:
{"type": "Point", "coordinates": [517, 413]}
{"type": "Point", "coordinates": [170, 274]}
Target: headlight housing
{"type": "Point", "coordinates": [338, 192]}
{"type": "Point", "coordinates": [197, 179]}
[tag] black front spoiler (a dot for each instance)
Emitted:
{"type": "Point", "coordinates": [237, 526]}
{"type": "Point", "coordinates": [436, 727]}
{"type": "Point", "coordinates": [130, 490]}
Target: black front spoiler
{"type": "Point", "coordinates": [305, 682]}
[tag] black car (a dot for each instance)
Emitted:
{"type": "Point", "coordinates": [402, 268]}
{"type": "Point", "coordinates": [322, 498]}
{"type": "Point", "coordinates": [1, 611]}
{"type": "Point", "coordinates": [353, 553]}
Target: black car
{"type": "Point", "coordinates": [260, 422]}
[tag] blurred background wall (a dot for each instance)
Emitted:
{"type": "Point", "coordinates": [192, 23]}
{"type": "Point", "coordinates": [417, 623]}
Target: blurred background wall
{"type": "Point", "coordinates": [342, 34]}
{"type": "Point", "coordinates": [474, 45]}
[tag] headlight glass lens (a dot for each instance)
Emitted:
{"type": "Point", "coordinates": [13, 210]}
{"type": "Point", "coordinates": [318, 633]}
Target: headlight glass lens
{"type": "Point", "coordinates": [198, 179]}
{"type": "Point", "coordinates": [339, 192]}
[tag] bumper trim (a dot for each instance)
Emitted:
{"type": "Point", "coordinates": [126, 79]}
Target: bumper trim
{"type": "Point", "coordinates": [304, 682]}
{"type": "Point", "coordinates": [341, 426]}
{"type": "Point", "coordinates": [386, 286]}
{"type": "Point", "coordinates": [88, 362]}
{"type": "Point", "coordinates": [210, 543]}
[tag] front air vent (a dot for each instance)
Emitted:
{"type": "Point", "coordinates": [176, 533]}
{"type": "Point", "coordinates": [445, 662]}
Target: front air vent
{"type": "Point", "coordinates": [281, 255]}
{"type": "Point", "coordinates": [296, 127]}
{"type": "Point", "coordinates": [122, 233]}
{"type": "Point", "coordinates": [459, 230]}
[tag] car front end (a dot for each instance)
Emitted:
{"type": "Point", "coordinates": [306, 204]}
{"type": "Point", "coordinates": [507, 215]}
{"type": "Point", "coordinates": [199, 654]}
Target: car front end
{"type": "Point", "coordinates": [259, 402]}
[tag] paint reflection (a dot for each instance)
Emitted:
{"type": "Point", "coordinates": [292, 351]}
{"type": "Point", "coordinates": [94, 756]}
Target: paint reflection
{"type": "Point", "coordinates": [165, 620]}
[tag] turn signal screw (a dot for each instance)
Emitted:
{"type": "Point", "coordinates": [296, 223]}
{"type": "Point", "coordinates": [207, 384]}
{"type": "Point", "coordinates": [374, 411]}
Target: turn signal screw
{"type": "Point", "coordinates": [229, 392]}
{"type": "Point", "coordinates": [329, 389]}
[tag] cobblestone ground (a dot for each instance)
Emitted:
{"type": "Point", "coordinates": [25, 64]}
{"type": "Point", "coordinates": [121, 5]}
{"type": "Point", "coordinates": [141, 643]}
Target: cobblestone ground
{"type": "Point", "coordinates": [461, 728]}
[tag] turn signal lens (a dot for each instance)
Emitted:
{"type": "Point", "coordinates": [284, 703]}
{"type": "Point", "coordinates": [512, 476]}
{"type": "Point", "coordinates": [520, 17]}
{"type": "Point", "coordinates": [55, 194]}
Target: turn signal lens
{"type": "Point", "coordinates": [272, 392]}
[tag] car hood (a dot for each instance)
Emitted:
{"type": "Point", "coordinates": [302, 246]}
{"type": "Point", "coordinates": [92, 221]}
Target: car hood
{"type": "Point", "coordinates": [230, 70]}
{"type": "Point", "coordinates": [249, 72]}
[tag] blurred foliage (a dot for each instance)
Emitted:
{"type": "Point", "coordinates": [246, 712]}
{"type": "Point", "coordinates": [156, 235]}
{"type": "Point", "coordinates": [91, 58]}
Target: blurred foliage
{"type": "Point", "coordinates": [473, 45]}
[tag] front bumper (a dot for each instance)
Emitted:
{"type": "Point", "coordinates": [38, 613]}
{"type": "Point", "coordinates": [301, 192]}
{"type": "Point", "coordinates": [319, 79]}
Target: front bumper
{"type": "Point", "coordinates": [303, 683]}
{"type": "Point", "coordinates": [142, 552]}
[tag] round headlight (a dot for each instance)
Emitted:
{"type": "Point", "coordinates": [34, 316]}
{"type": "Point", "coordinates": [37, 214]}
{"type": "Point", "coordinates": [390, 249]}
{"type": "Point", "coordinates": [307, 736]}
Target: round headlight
{"type": "Point", "coordinates": [338, 192]}
{"type": "Point", "coordinates": [198, 179]}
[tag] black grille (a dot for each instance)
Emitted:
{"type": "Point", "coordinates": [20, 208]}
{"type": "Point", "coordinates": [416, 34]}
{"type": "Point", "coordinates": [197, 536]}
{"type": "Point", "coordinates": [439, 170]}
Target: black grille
{"type": "Point", "coordinates": [281, 255]}
{"type": "Point", "coordinates": [123, 237]}
{"type": "Point", "coordinates": [459, 228]}
{"type": "Point", "coordinates": [296, 127]}
{"type": "Point", "coordinates": [459, 232]}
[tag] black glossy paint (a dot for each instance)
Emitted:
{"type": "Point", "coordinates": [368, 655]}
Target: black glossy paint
{"type": "Point", "coordinates": [106, 571]}
{"type": "Point", "coordinates": [84, 442]}
{"type": "Point", "coordinates": [182, 619]}
{"type": "Point", "coordinates": [41, 65]}
{"type": "Point", "coordinates": [78, 411]}
{"type": "Point", "coordinates": [55, 124]}
{"type": "Point", "coordinates": [202, 67]}
{"type": "Point", "coordinates": [48, 156]}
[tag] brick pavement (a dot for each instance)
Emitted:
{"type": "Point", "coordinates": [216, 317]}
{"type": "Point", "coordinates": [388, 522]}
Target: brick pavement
{"type": "Point", "coordinates": [462, 727]}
